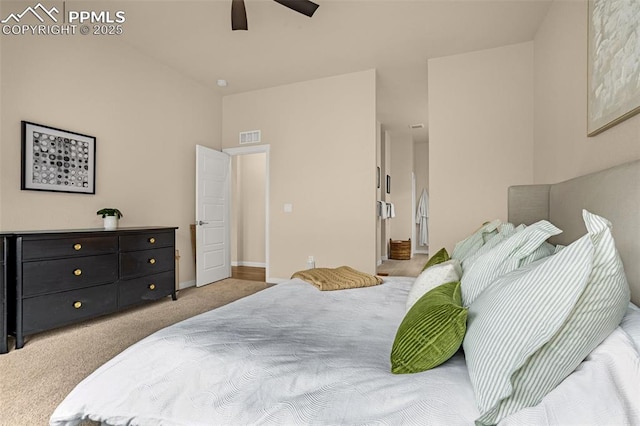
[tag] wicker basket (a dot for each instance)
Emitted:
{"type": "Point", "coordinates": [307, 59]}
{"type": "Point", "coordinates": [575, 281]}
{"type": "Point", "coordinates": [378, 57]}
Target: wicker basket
{"type": "Point", "coordinates": [400, 250]}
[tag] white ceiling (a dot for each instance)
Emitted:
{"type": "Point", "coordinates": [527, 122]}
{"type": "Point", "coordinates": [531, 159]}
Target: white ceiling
{"type": "Point", "coordinates": [396, 37]}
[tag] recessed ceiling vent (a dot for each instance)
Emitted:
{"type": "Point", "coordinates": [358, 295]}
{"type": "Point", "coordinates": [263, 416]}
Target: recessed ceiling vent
{"type": "Point", "coordinates": [252, 136]}
{"type": "Point", "coordinates": [416, 126]}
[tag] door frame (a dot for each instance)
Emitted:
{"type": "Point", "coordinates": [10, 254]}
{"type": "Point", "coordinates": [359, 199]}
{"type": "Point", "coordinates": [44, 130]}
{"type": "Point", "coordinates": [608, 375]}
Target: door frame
{"type": "Point", "coordinates": [256, 149]}
{"type": "Point", "coordinates": [413, 214]}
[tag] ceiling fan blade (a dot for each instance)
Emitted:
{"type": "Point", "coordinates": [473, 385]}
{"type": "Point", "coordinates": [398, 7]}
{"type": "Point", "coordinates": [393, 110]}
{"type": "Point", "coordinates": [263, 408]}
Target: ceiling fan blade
{"type": "Point", "coordinates": [305, 7]}
{"type": "Point", "coordinates": [238, 15]}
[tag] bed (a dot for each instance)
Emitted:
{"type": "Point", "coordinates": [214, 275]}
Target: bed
{"type": "Point", "coordinates": [292, 354]}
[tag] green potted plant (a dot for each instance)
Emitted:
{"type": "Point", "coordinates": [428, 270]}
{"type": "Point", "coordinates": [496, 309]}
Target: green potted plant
{"type": "Point", "coordinates": [110, 216]}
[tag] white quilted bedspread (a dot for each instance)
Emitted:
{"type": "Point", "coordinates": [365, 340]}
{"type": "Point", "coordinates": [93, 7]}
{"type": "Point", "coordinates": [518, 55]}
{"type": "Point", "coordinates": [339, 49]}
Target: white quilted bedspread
{"type": "Point", "coordinates": [294, 355]}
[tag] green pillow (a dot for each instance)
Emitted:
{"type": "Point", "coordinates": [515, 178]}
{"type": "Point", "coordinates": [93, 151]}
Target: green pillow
{"type": "Point", "coordinates": [431, 332]}
{"type": "Point", "coordinates": [441, 256]}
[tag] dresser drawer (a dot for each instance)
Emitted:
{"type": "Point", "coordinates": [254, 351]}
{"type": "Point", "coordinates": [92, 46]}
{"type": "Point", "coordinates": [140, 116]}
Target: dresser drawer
{"type": "Point", "coordinates": [144, 262]}
{"type": "Point", "coordinates": [148, 240]}
{"type": "Point", "coordinates": [49, 276]}
{"type": "Point", "coordinates": [150, 287]}
{"type": "Point", "coordinates": [3, 302]}
{"type": "Point", "coordinates": [54, 310]}
{"type": "Point", "coordinates": [68, 247]}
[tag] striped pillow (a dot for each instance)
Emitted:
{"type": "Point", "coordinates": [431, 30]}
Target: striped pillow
{"type": "Point", "coordinates": [541, 252]}
{"type": "Point", "coordinates": [505, 230]}
{"type": "Point", "coordinates": [473, 242]}
{"type": "Point", "coordinates": [503, 258]}
{"type": "Point", "coordinates": [532, 327]}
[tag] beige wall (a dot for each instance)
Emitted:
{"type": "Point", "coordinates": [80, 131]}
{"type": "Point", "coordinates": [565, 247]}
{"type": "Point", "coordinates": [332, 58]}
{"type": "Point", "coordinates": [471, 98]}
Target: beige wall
{"type": "Point", "coordinates": [1, 125]}
{"type": "Point", "coordinates": [248, 214]}
{"type": "Point", "coordinates": [146, 117]}
{"type": "Point", "coordinates": [421, 166]}
{"type": "Point", "coordinates": [322, 135]}
{"type": "Point", "coordinates": [401, 186]}
{"type": "Point", "coordinates": [562, 149]}
{"type": "Point", "coordinates": [480, 137]}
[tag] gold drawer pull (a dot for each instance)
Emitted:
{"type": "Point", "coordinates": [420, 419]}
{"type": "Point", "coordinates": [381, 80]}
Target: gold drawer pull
{"type": "Point", "coordinates": [152, 261]}
{"type": "Point", "coordinates": [77, 272]}
{"type": "Point", "coordinates": [152, 286]}
{"type": "Point", "coordinates": [77, 247]}
{"type": "Point", "coordinates": [77, 305]}
{"type": "Point", "coordinates": [152, 240]}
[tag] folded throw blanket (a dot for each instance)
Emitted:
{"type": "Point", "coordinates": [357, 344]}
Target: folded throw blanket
{"type": "Point", "coordinates": [337, 279]}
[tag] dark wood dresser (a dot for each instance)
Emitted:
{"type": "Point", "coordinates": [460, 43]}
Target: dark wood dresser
{"type": "Point", "coordinates": [63, 277]}
{"type": "Point", "coordinates": [4, 248]}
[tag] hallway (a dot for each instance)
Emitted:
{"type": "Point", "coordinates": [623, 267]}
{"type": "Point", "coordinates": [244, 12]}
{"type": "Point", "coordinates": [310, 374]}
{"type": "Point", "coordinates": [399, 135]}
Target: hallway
{"type": "Point", "coordinates": [248, 273]}
{"type": "Point", "coordinates": [404, 268]}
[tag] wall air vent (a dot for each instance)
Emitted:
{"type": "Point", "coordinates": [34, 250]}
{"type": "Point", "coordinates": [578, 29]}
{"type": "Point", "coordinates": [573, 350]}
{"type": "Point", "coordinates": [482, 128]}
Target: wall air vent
{"type": "Point", "coordinates": [252, 136]}
{"type": "Point", "coordinates": [416, 126]}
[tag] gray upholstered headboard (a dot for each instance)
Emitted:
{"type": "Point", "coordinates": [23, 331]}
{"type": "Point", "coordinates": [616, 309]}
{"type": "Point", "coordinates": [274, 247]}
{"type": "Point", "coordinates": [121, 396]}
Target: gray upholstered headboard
{"type": "Point", "coordinates": [612, 193]}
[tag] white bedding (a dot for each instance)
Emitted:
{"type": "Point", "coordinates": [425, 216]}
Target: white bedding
{"type": "Point", "coordinates": [294, 355]}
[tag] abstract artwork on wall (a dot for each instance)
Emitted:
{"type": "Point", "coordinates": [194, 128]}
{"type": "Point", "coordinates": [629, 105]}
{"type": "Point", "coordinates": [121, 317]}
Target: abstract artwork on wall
{"type": "Point", "coordinates": [57, 160]}
{"type": "Point", "coordinates": [613, 63]}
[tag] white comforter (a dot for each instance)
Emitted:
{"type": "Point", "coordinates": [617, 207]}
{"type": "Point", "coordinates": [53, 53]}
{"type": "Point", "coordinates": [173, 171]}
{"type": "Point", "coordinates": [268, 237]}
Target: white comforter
{"type": "Point", "coordinates": [294, 355]}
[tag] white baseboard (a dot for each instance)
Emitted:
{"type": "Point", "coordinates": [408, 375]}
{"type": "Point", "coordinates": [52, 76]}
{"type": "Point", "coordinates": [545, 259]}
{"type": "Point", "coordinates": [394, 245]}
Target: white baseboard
{"type": "Point", "coordinates": [186, 284]}
{"type": "Point", "coordinates": [252, 264]}
{"type": "Point", "coordinates": [421, 252]}
{"type": "Point", "coordinates": [379, 262]}
{"type": "Point", "coordinates": [384, 258]}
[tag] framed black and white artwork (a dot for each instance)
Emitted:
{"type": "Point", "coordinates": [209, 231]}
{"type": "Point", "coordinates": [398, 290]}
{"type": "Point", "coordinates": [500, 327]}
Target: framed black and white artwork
{"type": "Point", "coordinates": [57, 160]}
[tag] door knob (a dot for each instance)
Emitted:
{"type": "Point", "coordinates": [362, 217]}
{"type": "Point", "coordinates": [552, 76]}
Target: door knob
{"type": "Point", "coordinates": [202, 223]}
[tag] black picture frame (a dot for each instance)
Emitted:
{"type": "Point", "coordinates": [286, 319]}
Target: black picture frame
{"type": "Point", "coordinates": [57, 160]}
{"type": "Point", "coordinates": [388, 184]}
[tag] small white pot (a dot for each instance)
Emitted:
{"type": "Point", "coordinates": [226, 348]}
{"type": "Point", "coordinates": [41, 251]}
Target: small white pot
{"type": "Point", "coordinates": [110, 222]}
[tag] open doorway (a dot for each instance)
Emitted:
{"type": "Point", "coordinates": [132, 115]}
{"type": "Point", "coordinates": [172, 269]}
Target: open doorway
{"type": "Point", "coordinates": [249, 212]}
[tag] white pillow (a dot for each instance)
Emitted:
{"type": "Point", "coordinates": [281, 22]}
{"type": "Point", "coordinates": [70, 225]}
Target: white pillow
{"type": "Point", "coordinates": [433, 277]}
{"type": "Point", "coordinates": [631, 324]}
{"type": "Point", "coordinates": [603, 390]}
{"type": "Point", "coordinates": [503, 258]}
{"type": "Point", "coordinates": [532, 327]}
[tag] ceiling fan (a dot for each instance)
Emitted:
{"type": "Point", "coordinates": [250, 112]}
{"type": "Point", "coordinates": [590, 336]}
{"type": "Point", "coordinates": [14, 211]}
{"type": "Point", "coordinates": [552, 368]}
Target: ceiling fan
{"type": "Point", "coordinates": [239, 13]}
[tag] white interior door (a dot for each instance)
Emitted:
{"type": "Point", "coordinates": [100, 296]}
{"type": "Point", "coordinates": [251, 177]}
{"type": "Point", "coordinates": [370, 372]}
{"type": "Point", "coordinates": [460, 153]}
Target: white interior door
{"type": "Point", "coordinates": [213, 228]}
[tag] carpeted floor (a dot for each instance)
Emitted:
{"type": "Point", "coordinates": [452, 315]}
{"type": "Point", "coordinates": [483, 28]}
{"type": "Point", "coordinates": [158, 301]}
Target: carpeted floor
{"type": "Point", "coordinates": [36, 378]}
